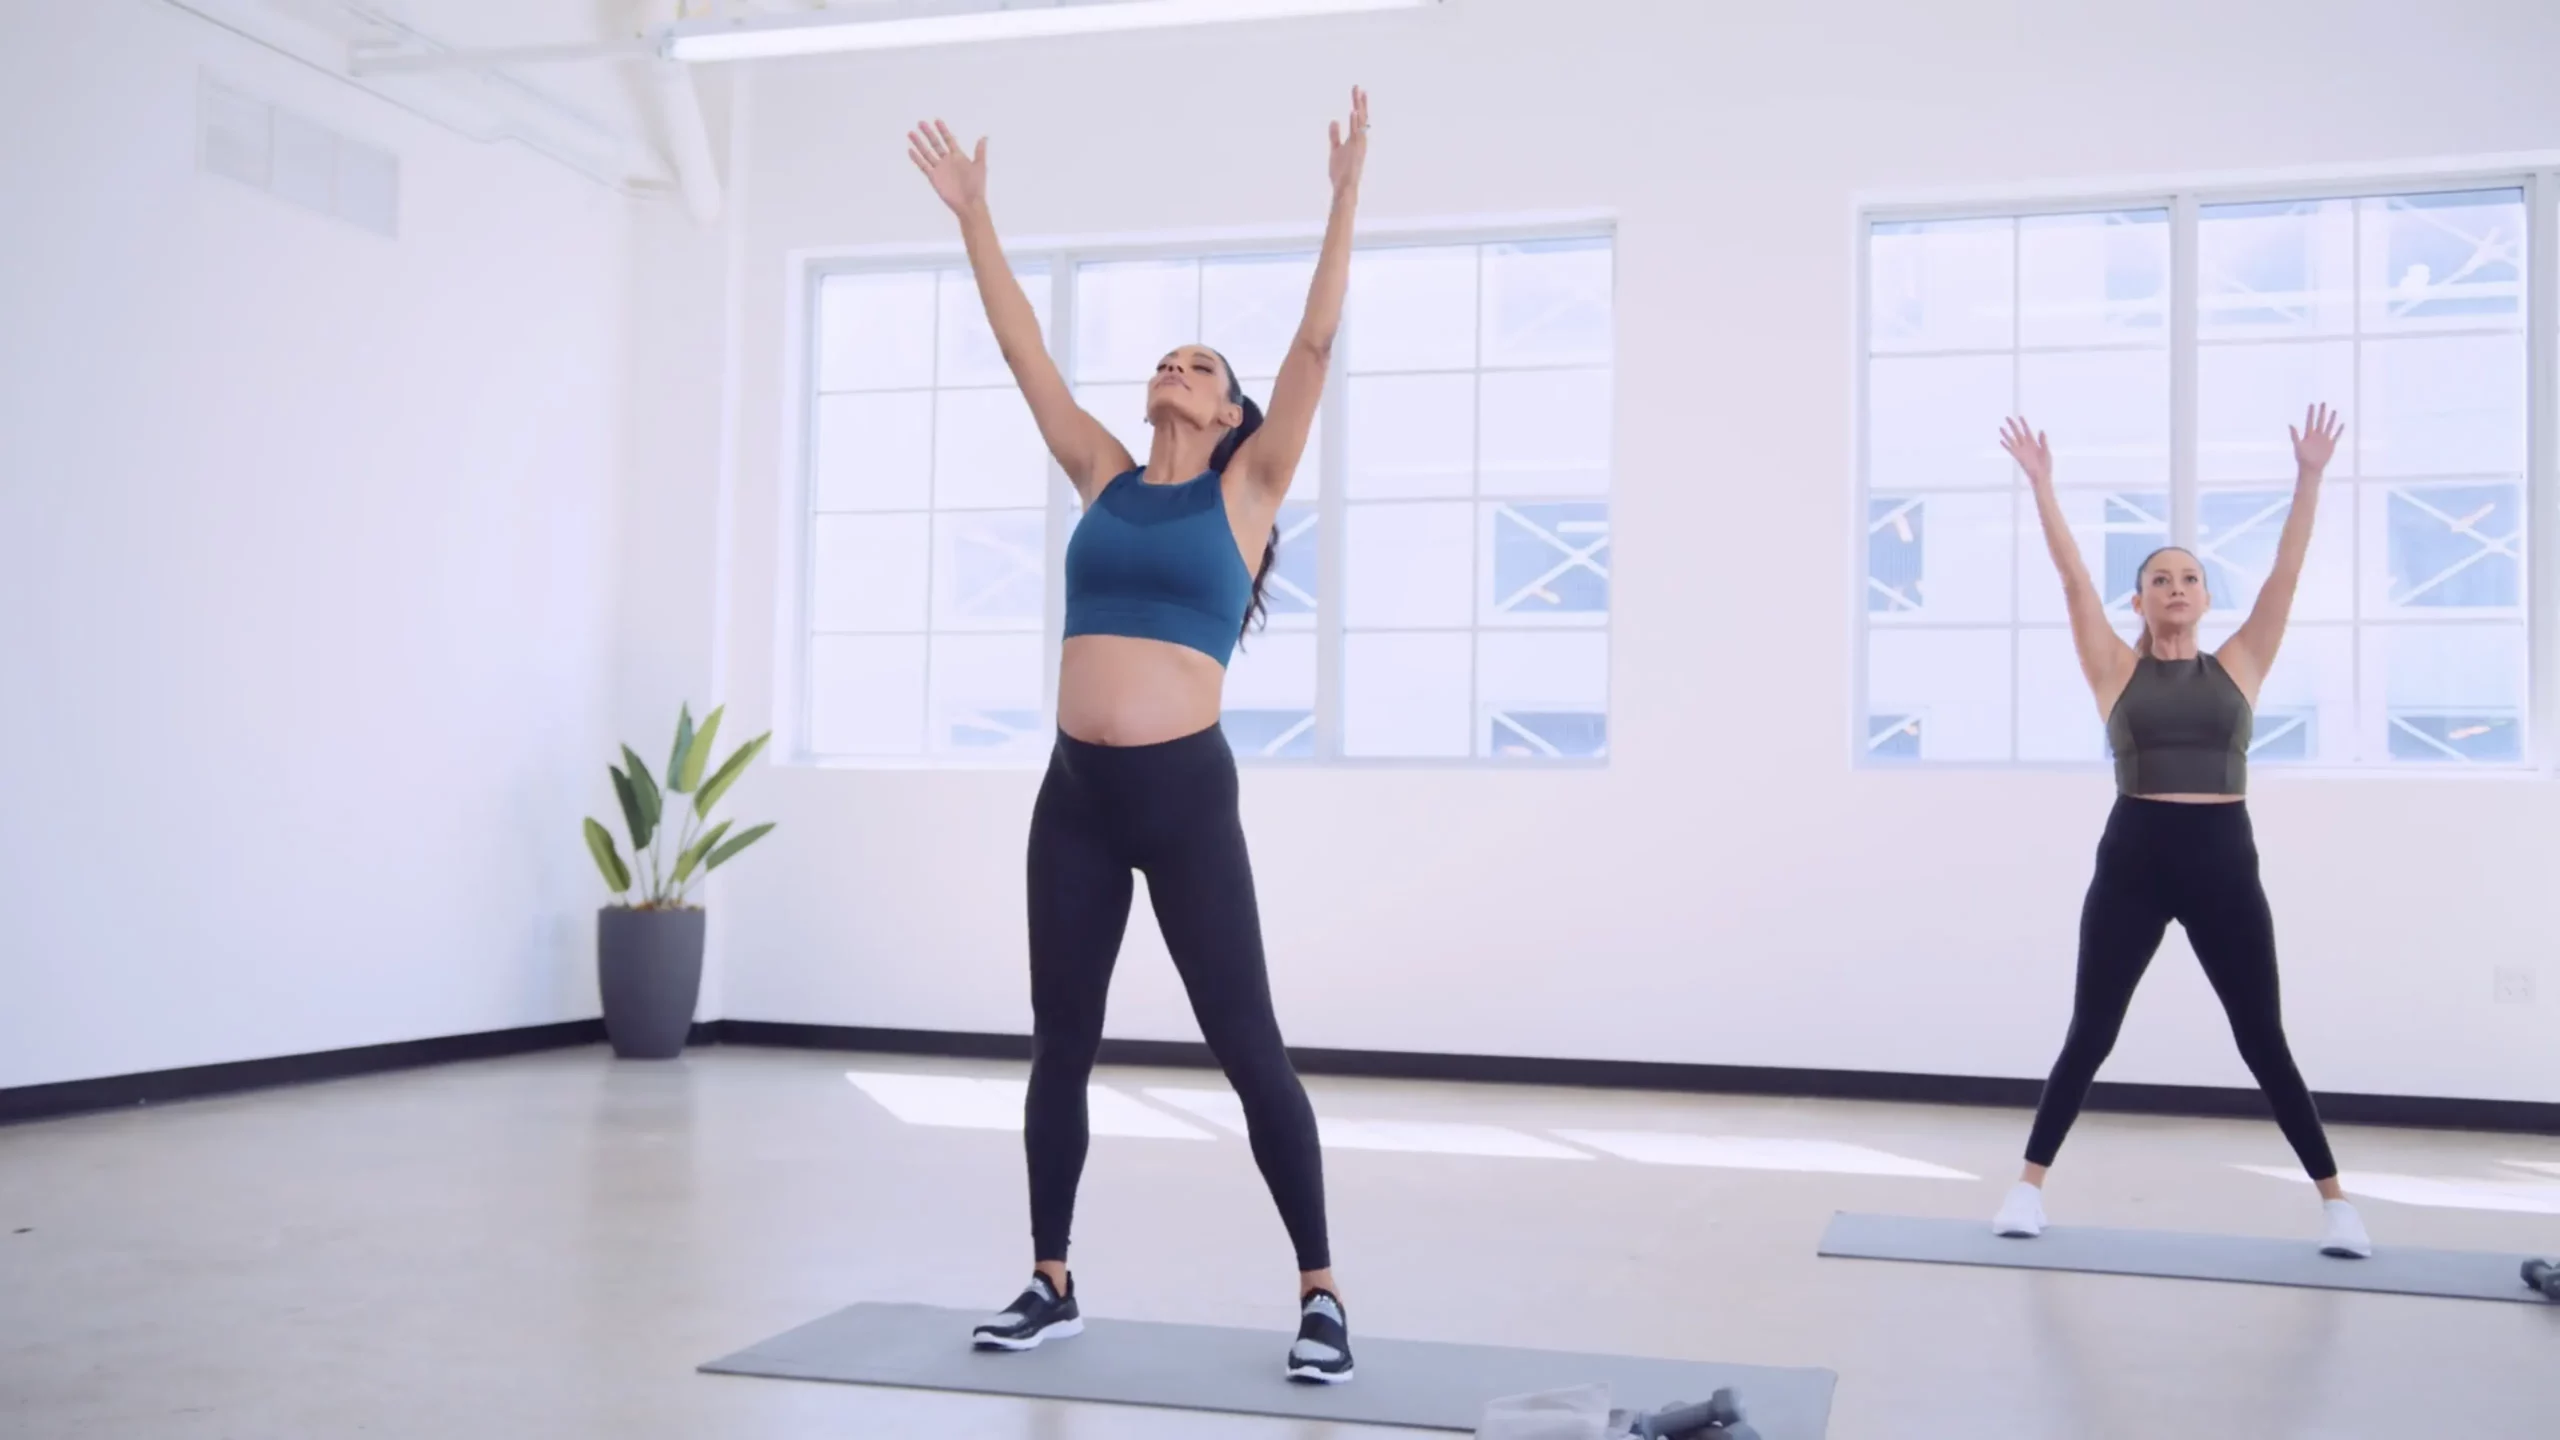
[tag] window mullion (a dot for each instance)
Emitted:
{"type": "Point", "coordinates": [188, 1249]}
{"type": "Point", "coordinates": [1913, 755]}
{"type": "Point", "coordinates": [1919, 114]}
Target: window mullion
{"type": "Point", "coordinates": [2542, 456]}
{"type": "Point", "coordinates": [2017, 525]}
{"type": "Point", "coordinates": [932, 514]}
{"type": "Point", "coordinates": [1332, 524]}
{"type": "Point", "coordinates": [2185, 320]}
{"type": "Point", "coordinates": [2372, 717]}
{"type": "Point", "coordinates": [804, 553]}
{"type": "Point", "coordinates": [1060, 519]}
{"type": "Point", "coordinates": [1862, 561]}
{"type": "Point", "coordinates": [1478, 742]}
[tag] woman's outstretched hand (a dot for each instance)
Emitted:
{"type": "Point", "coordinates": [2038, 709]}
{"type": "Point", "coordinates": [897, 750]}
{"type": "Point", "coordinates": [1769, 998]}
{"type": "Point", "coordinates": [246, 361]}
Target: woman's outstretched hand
{"type": "Point", "coordinates": [1352, 151]}
{"type": "Point", "coordinates": [2315, 443]}
{"type": "Point", "coordinates": [2027, 447]}
{"type": "Point", "coordinates": [958, 176]}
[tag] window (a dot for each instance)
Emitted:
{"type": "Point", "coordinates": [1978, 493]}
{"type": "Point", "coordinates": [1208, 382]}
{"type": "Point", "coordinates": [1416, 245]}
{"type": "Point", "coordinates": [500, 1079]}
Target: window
{"type": "Point", "coordinates": [1442, 586]}
{"type": "Point", "coordinates": [1475, 507]}
{"type": "Point", "coordinates": [2408, 643]}
{"type": "Point", "coordinates": [927, 545]}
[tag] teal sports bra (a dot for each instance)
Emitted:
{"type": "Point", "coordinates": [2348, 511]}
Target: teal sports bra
{"type": "Point", "coordinates": [1159, 562]}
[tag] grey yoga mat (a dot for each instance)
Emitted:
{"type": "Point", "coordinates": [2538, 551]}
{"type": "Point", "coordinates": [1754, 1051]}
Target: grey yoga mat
{"type": "Point", "coordinates": [1422, 1385]}
{"type": "Point", "coordinates": [2178, 1255]}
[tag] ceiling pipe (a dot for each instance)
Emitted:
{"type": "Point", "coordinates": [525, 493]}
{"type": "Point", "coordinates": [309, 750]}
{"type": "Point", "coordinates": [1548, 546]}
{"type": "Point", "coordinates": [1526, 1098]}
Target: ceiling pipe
{"type": "Point", "coordinates": [508, 112]}
{"type": "Point", "coordinates": [404, 60]}
{"type": "Point", "coordinates": [515, 93]}
{"type": "Point", "coordinates": [683, 124]}
{"type": "Point", "coordinates": [688, 139]}
{"type": "Point", "coordinates": [687, 164]}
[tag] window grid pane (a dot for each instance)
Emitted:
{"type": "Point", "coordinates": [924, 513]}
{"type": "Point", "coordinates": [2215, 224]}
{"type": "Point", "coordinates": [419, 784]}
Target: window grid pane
{"type": "Point", "coordinates": [1476, 499]}
{"type": "Point", "coordinates": [926, 551]}
{"type": "Point", "coordinates": [2407, 643]}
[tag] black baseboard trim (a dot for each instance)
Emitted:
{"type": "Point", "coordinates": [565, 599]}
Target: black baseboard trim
{"type": "Point", "coordinates": [2424, 1112]}
{"type": "Point", "coordinates": [2420, 1112]}
{"type": "Point", "coordinates": [196, 1082]}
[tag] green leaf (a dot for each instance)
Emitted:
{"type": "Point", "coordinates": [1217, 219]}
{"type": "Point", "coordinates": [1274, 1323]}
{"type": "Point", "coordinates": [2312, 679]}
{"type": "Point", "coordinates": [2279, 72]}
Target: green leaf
{"type": "Point", "coordinates": [652, 804]}
{"type": "Point", "coordinates": [686, 862]}
{"type": "Point", "coordinates": [633, 815]}
{"type": "Point", "coordinates": [735, 766]}
{"type": "Point", "coordinates": [684, 742]}
{"type": "Point", "coordinates": [744, 839]}
{"type": "Point", "coordinates": [690, 776]}
{"type": "Point", "coordinates": [600, 844]}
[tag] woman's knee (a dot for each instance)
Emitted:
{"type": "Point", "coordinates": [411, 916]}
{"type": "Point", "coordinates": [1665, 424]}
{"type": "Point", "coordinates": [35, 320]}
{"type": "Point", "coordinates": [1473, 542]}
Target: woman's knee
{"type": "Point", "coordinates": [2090, 1041]}
{"type": "Point", "coordinates": [1067, 1055]}
{"type": "Point", "coordinates": [2264, 1050]}
{"type": "Point", "coordinates": [1262, 1074]}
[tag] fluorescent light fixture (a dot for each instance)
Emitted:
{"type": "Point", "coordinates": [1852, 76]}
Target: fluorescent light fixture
{"type": "Point", "coordinates": [831, 32]}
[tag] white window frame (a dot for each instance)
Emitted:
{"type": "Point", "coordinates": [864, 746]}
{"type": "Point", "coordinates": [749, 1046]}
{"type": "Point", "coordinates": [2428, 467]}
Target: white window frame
{"type": "Point", "coordinates": [805, 271]}
{"type": "Point", "coordinates": [2537, 175]}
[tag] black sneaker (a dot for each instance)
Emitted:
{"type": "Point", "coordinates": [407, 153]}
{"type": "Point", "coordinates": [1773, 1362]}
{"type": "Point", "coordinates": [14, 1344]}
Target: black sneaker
{"type": "Point", "coordinates": [1323, 1352]}
{"type": "Point", "coordinates": [1039, 1313]}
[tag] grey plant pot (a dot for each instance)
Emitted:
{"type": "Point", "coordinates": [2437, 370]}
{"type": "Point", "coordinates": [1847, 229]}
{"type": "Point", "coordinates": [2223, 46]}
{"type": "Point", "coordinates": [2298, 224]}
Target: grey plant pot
{"type": "Point", "coordinates": [649, 972]}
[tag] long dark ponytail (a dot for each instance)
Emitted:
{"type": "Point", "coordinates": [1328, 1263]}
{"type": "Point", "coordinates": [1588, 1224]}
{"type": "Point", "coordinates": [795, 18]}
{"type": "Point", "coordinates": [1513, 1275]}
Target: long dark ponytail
{"type": "Point", "coordinates": [1257, 610]}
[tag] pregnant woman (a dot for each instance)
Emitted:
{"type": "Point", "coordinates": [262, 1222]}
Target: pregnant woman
{"type": "Point", "coordinates": [1164, 576]}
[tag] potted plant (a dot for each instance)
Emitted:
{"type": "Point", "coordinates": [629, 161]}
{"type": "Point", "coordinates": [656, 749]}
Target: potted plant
{"type": "Point", "coordinates": [649, 951]}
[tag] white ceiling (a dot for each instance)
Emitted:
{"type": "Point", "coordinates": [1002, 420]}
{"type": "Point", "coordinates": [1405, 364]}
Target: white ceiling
{"type": "Point", "coordinates": [540, 22]}
{"type": "Point", "coordinates": [563, 107]}
{"type": "Point", "coordinates": [584, 100]}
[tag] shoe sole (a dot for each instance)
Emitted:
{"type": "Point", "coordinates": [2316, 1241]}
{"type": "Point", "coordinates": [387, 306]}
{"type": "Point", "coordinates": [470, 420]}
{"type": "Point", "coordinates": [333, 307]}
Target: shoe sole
{"type": "Point", "coordinates": [1064, 1329]}
{"type": "Point", "coordinates": [1318, 1377]}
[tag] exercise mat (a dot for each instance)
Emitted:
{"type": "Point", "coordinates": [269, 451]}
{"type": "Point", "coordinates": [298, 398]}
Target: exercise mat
{"type": "Point", "coordinates": [1423, 1385]}
{"type": "Point", "coordinates": [2180, 1255]}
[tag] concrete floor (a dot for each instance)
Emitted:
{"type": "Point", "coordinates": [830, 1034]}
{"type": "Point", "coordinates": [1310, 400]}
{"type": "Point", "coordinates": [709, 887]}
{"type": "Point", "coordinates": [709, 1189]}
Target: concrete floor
{"type": "Point", "coordinates": [547, 1246]}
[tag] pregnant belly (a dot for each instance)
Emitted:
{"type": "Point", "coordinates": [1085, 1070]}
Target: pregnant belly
{"type": "Point", "coordinates": [1123, 690]}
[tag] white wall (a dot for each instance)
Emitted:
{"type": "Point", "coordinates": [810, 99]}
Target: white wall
{"type": "Point", "coordinates": [308, 553]}
{"type": "Point", "coordinates": [678, 352]}
{"type": "Point", "coordinates": [1728, 890]}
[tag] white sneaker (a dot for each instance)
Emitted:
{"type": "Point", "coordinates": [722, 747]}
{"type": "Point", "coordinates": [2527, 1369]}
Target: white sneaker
{"type": "Point", "coordinates": [2021, 1216]}
{"type": "Point", "coordinates": [2346, 1238]}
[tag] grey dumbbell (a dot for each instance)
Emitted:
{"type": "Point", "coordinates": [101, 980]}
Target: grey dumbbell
{"type": "Point", "coordinates": [2543, 1275]}
{"type": "Point", "coordinates": [1718, 1417]}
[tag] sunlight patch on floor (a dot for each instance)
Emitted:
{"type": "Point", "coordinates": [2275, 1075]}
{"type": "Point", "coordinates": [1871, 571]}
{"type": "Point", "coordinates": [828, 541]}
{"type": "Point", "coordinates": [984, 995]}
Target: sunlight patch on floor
{"type": "Point", "coordinates": [1431, 1137]}
{"type": "Point", "coordinates": [2435, 1192]}
{"type": "Point", "coordinates": [969, 1103]}
{"type": "Point", "coordinates": [1757, 1152]}
{"type": "Point", "coordinates": [975, 1103]}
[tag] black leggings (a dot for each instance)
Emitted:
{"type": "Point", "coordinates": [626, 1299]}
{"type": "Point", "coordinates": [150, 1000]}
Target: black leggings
{"type": "Point", "coordinates": [2164, 860]}
{"type": "Point", "coordinates": [1169, 811]}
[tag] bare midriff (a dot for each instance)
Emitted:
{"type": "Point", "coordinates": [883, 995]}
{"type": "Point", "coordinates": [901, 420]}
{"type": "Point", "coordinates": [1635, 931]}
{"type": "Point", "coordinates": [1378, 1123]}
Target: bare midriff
{"type": "Point", "coordinates": [1123, 690]}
